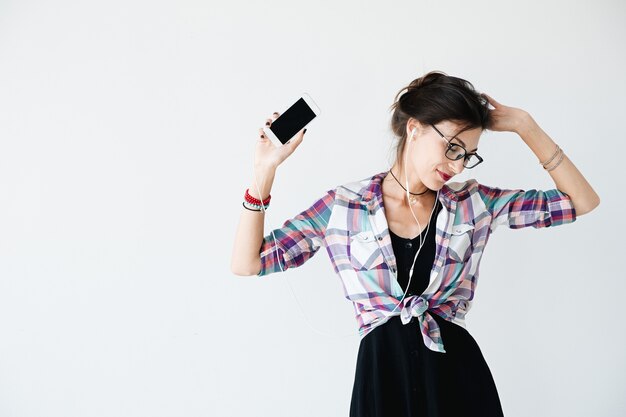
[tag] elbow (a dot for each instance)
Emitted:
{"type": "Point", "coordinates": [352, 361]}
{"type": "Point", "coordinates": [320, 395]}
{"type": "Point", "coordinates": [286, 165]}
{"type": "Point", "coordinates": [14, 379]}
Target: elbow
{"type": "Point", "coordinates": [587, 206]}
{"type": "Point", "coordinates": [242, 273]}
{"type": "Point", "coordinates": [596, 202]}
{"type": "Point", "coordinates": [245, 271]}
{"type": "Point", "coordinates": [237, 272]}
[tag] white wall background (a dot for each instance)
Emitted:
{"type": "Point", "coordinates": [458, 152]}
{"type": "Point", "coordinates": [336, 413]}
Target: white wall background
{"type": "Point", "coordinates": [127, 132]}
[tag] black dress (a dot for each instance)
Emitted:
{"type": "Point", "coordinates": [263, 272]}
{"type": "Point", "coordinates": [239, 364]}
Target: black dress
{"type": "Point", "coordinates": [398, 376]}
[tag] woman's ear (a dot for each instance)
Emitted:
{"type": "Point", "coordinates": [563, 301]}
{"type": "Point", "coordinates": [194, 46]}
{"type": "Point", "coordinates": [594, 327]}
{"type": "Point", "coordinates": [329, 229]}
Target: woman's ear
{"type": "Point", "coordinates": [414, 129]}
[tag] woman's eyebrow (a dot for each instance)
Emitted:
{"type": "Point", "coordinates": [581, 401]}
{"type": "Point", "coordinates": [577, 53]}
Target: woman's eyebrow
{"type": "Point", "coordinates": [463, 143]}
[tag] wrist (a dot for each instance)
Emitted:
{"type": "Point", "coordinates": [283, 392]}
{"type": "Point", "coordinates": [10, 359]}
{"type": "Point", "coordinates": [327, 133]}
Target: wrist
{"type": "Point", "coordinates": [526, 124]}
{"type": "Point", "coordinates": [262, 182]}
{"type": "Point", "coordinates": [266, 164]}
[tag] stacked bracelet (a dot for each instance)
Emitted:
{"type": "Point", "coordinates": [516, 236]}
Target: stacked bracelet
{"type": "Point", "coordinates": [255, 204]}
{"type": "Point", "coordinates": [556, 164]}
{"type": "Point", "coordinates": [558, 152]}
{"type": "Point", "coordinates": [256, 201]}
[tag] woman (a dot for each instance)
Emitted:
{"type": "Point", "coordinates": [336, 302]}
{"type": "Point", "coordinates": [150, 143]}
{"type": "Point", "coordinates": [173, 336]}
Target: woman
{"type": "Point", "coordinates": [407, 243]}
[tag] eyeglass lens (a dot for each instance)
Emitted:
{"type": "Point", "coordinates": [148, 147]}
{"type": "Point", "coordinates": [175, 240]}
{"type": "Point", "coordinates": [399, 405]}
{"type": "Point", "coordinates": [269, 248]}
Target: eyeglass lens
{"type": "Point", "coordinates": [455, 153]}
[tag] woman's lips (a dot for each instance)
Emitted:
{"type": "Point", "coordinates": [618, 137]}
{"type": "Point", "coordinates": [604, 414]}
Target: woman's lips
{"type": "Point", "coordinates": [444, 176]}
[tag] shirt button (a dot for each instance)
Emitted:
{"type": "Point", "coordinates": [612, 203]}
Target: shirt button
{"type": "Point", "coordinates": [409, 245]}
{"type": "Point", "coordinates": [380, 238]}
{"type": "Point", "coordinates": [371, 211]}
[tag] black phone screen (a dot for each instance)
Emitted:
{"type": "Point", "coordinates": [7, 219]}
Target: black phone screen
{"type": "Point", "coordinates": [292, 120]}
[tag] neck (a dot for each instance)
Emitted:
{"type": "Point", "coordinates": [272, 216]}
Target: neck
{"type": "Point", "coordinates": [392, 189]}
{"type": "Point", "coordinates": [416, 186]}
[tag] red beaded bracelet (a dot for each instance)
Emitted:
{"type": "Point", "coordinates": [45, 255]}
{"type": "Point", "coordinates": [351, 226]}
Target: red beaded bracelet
{"type": "Point", "coordinates": [256, 201]}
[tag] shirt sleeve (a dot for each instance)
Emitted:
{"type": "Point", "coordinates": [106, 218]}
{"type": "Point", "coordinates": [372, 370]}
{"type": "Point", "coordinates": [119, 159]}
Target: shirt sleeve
{"type": "Point", "coordinates": [298, 239]}
{"type": "Point", "coordinates": [519, 208]}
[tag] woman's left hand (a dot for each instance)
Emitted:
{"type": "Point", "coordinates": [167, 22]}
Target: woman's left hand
{"type": "Point", "coordinates": [505, 118]}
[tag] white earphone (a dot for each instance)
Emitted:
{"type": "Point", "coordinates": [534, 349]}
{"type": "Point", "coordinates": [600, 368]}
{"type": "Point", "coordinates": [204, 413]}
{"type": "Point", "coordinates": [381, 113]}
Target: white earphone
{"type": "Point", "coordinates": [422, 239]}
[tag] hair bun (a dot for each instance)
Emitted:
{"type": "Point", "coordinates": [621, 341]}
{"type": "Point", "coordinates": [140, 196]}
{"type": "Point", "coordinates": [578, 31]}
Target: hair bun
{"type": "Point", "coordinates": [426, 80]}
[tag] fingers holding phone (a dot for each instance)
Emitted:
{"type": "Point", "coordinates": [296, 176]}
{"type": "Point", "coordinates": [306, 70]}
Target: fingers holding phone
{"type": "Point", "coordinates": [284, 132]}
{"type": "Point", "coordinates": [267, 153]}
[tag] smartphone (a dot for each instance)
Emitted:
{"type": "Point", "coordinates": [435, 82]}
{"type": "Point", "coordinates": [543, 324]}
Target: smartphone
{"type": "Point", "coordinates": [292, 120]}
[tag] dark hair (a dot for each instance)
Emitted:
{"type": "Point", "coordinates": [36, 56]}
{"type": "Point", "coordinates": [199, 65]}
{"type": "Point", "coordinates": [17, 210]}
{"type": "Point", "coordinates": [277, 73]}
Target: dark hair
{"type": "Point", "coordinates": [436, 97]}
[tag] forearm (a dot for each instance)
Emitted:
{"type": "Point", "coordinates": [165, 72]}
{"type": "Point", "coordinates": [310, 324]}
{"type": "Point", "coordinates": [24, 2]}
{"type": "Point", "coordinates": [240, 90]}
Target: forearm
{"type": "Point", "coordinates": [566, 176]}
{"type": "Point", "coordinates": [245, 259]}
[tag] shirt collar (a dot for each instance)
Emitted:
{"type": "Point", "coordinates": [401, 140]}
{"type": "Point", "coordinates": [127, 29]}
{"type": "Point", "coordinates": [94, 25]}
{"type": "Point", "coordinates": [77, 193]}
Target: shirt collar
{"type": "Point", "coordinates": [373, 191]}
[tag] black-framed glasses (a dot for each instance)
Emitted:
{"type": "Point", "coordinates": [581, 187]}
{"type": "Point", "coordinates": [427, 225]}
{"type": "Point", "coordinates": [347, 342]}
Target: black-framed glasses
{"type": "Point", "coordinates": [456, 151]}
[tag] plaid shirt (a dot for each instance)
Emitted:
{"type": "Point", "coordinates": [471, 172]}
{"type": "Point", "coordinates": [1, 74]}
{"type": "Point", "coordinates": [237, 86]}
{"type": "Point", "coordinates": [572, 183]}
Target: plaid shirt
{"type": "Point", "coordinates": [349, 221]}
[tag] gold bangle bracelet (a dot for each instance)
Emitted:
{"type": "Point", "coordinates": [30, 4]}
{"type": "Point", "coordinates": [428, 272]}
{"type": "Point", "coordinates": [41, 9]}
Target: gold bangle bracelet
{"type": "Point", "coordinates": [556, 152]}
{"type": "Point", "coordinates": [557, 162]}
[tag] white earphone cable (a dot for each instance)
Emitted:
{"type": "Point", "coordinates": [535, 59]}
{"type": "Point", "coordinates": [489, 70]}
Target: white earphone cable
{"type": "Point", "coordinates": [422, 239]}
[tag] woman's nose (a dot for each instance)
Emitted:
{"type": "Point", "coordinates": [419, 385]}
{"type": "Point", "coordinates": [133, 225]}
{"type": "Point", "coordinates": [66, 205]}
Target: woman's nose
{"type": "Point", "coordinates": [457, 166]}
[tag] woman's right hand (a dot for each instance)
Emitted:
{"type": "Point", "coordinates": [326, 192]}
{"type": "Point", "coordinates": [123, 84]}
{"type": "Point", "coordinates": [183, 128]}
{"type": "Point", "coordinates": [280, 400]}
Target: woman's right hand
{"type": "Point", "coordinates": [269, 156]}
